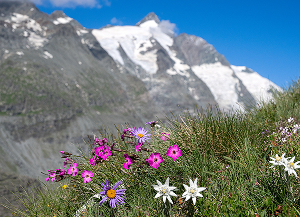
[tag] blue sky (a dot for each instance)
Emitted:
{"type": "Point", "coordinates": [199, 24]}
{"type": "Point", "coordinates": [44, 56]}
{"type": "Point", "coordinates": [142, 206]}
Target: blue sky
{"type": "Point", "coordinates": [263, 35]}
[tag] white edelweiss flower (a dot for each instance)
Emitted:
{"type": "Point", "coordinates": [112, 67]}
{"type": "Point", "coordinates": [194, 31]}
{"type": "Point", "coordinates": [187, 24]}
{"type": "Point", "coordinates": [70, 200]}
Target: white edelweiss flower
{"type": "Point", "coordinates": [164, 190]}
{"type": "Point", "coordinates": [193, 191]}
{"type": "Point", "coordinates": [290, 166]}
{"type": "Point", "coordinates": [290, 119]}
{"type": "Point", "coordinates": [279, 160]}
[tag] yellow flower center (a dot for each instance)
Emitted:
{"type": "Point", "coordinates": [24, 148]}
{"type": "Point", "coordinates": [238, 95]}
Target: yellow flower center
{"type": "Point", "coordinates": [164, 191]}
{"type": "Point", "coordinates": [292, 165]}
{"type": "Point", "coordinates": [192, 190]}
{"type": "Point", "coordinates": [278, 158]}
{"type": "Point", "coordinates": [64, 186]}
{"type": "Point", "coordinates": [140, 135]}
{"type": "Point", "coordinates": [111, 193]}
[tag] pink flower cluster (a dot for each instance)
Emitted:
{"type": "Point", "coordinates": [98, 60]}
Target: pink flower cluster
{"type": "Point", "coordinates": [57, 175]}
{"type": "Point", "coordinates": [103, 151]}
{"type": "Point", "coordinates": [129, 130]}
{"type": "Point", "coordinates": [155, 159]}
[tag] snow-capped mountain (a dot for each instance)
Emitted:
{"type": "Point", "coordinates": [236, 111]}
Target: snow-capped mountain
{"type": "Point", "coordinates": [60, 81]}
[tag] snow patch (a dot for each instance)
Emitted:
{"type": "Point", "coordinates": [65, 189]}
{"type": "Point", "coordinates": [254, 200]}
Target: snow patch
{"type": "Point", "coordinates": [257, 85]}
{"type": "Point", "coordinates": [62, 20]}
{"type": "Point", "coordinates": [29, 23]}
{"type": "Point", "coordinates": [81, 32]}
{"type": "Point", "coordinates": [220, 81]}
{"type": "Point", "coordinates": [6, 51]}
{"type": "Point", "coordinates": [20, 53]}
{"type": "Point", "coordinates": [36, 40]}
{"type": "Point", "coordinates": [79, 63]}
{"type": "Point", "coordinates": [47, 55]}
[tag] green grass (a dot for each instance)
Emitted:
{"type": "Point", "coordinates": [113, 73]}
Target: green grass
{"type": "Point", "coordinates": [226, 152]}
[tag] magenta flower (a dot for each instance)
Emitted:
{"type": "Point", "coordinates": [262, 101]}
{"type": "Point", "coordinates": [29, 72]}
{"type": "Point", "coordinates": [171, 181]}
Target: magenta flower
{"type": "Point", "coordinates": [62, 172]}
{"type": "Point", "coordinates": [174, 152]}
{"type": "Point", "coordinates": [138, 147]}
{"type": "Point", "coordinates": [73, 169]}
{"type": "Point", "coordinates": [99, 151]}
{"type": "Point", "coordinates": [87, 176]}
{"type": "Point", "coordinates": [93, 160]}
{"type": "Point", "coordinates": [67, 161]}
{"type": "Point", "coordinates": [51, 175]}
{"type": "Point", "coordinates": [97, 141]}
{"type": "Point", "coordinates": [128, 161]}
{"type": "Point", "coordinates": [165, 136]}
{"type": "Point", "coordinates": [140, 134]}
{"type": "Point", "coordinates": [106, 152]}
{"type": "Point", "coordinates": [154, 160]}
{"type": "Point", "coordinates": [115, 197]}
{"type": "Point", "coordinates": [62, 152]}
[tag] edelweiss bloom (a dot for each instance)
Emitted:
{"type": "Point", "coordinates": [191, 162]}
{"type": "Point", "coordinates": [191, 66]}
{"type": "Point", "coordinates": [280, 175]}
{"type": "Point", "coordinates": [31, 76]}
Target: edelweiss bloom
{"type": "Point", "coordinates": [192, 191]}
{"type": "Point", "coordinates": [290, 166]}
{"type": "Point", "coordinates": [164, 190]}
{"type": "Point", "coordinates": [278, 160]}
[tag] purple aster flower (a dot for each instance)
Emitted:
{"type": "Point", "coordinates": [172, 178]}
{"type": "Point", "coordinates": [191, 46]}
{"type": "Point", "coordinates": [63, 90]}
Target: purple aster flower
{"type": "Point", "coordinates": [174, 152]}
{"type": "Point", "coordinates": [73, 169]}
{"type": "Point", "coordinates": [106, 152]}
{"type": "Point", "coordinates": [140, 134]}
{"type": "Point", "coordinates": [116, 197]}
{"type": "Point", "coordinates": [154, 160]}
{"type": "Point", "coordinates": [138, 147]}
{"type": "Point", "coordinates": [152, 123]}
{"type": "Point", "coordinates": [87, 176]}
{"type": "Point", "coordinates": [128, 161]}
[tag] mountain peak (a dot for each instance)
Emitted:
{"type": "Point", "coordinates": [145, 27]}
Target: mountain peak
{"type": "Point", "coordinates": [150, 16]}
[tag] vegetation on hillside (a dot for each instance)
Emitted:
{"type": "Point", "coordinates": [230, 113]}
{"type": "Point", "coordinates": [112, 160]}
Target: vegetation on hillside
{"type": "Point", "coordinates": [238, 158]}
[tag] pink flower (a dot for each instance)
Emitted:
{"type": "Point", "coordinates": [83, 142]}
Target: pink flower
{"type": "Point", "coordinates": [73, 169]}
{"type": "Point", "coordinates": [67, 161]}
{"type": "Point", "coordinates": [62, 152]}
{"type": "Point", "coordinates": [106, 152]}
{"type": "Point", "coordinates": [165, 136]}
{"type": "Point", "coordinates": [97, 141]}
{"type": "Point", "coordinates": [61, 172]}
{"type": "Point", "coordinates": [98, 151]}
{"type": "Point", "coordinates": [128, 161]}
{"type": "Point", "coordinates": [154, 160]}
{"type": "Point", "coordinates": [174, 152]}
{"type": "Point", "coordinates": [93, 160]}
{"type": "Point", "coordinates": [138, 147]}
{"type": "Point", "coordinates": [51, 175]}
{"type": "Point", "coordinates": [87, 176]}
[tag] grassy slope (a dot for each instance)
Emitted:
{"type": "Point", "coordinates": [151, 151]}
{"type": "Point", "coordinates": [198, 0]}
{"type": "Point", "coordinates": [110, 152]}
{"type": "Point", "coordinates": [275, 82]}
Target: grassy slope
{"type": "Point", "coordinates": [211, 142]}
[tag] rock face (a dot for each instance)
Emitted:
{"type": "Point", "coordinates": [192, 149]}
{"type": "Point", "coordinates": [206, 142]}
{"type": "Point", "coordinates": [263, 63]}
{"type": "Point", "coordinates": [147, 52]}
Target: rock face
{"type": "Point", "coordinates": [60, 82]}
